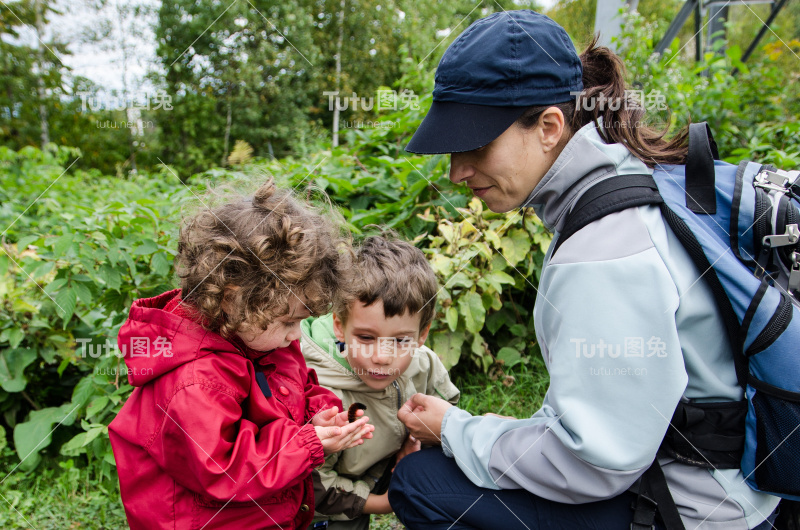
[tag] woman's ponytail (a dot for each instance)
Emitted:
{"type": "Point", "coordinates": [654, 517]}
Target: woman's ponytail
{"type": "Point", "coordinates": [623, 117]}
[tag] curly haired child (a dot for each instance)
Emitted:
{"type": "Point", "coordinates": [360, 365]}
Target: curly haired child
{"type": "Point", "coordinates": [226, 422]}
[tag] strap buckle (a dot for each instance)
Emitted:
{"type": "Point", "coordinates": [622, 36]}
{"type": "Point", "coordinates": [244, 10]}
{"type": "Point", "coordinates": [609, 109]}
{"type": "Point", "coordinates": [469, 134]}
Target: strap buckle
{"type": "Point", "coordinates": [794, 275]}
{"type": "Point", "coordinates": [778, 180]}
{"type": "Point", "coordinates": [790, 237]}
{"type": "Point", "coordinates": [644, 513]}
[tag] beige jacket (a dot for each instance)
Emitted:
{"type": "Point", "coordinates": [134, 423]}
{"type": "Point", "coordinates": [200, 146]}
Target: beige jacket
{"type": "Point", "coordinates": [343, 483]}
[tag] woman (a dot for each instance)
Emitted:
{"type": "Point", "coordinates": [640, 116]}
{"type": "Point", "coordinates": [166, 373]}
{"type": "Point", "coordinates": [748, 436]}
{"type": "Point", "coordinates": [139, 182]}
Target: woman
{"type": "Point", "coordinates": [627, 328]}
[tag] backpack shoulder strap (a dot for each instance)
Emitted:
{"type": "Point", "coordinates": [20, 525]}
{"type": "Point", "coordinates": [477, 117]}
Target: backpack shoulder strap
{"type": "Point", "coordinates": [701, 195]}
{"type": "Point", "coordinates": [609, 196]}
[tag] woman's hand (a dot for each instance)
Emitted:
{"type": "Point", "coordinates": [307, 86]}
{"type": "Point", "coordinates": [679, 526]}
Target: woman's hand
{"type": "Point", "coordinates": [410, 445]}
{"type": "Point", "coordinates": [422, 415]}
{"type": "Point", "coordinates": [335, 438]}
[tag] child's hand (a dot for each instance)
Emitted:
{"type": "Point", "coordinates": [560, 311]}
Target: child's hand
{"type": "Point", "coordinates": [377, 504]}
{"type": "Point", "coordinates": [335, 438]}
{"type": "Point", "coordinates": [332, 417]}
{"type": "Point", "coordinates": [410, 445]}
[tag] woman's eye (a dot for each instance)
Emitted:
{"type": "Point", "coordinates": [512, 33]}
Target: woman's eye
{"type": "Point", "coordinates": [364, 338]}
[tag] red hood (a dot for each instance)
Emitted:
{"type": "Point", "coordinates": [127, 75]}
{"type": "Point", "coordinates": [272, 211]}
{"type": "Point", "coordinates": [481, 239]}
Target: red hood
{"type": "Point", "coordinates": [168, 334]}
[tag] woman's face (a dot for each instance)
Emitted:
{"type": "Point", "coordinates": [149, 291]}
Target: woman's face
{"type": "Point", "coordinates": [504, 172]}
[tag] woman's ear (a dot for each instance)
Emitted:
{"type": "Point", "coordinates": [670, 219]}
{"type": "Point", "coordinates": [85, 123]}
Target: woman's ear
{"type": "Point", "coordinates": [551, 128]}
{"type": "Point", "coordinates": [338, 328]}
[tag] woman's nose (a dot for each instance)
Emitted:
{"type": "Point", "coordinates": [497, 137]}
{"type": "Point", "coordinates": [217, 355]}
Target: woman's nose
{"type": "Point", "coordinates": [460, 168]}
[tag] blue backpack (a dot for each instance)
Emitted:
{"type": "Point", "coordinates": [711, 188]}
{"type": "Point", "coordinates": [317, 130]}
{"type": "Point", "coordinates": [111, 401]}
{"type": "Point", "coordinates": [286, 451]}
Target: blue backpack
{"type": "Point", "coordinates": [740, 225]}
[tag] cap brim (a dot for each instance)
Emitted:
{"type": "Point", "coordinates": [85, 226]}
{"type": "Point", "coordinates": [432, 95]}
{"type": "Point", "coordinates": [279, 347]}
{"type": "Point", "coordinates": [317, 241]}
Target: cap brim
{"type": "Point", "coordinates": [451, 127]}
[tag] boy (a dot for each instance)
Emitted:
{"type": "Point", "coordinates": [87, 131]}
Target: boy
{"type": "Point", "coordinates": [369, 351]}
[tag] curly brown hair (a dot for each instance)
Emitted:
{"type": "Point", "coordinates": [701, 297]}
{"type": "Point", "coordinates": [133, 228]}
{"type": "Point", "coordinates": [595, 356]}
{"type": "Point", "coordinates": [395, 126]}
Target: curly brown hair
{"type": "Point", "coordinates": [393, 271]}
{"type": "Point", "coordinates": [253, 255]}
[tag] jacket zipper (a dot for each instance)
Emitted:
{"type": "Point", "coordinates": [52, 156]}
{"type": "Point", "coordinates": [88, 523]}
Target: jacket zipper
{"type": "Point", "coordinates": [399, 395]}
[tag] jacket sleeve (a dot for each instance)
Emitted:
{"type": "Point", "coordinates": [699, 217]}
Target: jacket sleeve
{"type": "Point", "coordinates": [318, 398]}
{"type": "Point", "coordinates": [207, 446]}
{"type": "Point", "coordinates": [335, 494]}
{"type": "Point", "coordinates": [438, 382]}
{"type": "Point", "coordinates": [608, 332]}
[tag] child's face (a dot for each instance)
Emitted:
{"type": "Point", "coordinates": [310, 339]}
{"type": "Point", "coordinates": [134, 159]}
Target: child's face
{"type": "Point", "coordinates": [379, 349]}
{"type": "Point", "coordinates": [280, 333]}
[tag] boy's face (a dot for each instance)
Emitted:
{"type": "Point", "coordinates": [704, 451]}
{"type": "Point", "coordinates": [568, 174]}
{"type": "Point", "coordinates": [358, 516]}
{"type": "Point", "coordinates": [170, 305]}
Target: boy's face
{"type": "Point", "coordinates": [379, 349]}
{"type": "Point", "coordinates": [280, 333]}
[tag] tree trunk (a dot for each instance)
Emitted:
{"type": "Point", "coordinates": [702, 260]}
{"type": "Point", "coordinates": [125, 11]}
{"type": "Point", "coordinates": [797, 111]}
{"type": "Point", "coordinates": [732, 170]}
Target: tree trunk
{"type": "Point", "coordinates": [45, 127]}
{"type": "Point", "coordinates": [227, 133]}
{"type": "Point", "coordinates": [130, 116]}
{"type": "Point", "coordinates": [338, 73]}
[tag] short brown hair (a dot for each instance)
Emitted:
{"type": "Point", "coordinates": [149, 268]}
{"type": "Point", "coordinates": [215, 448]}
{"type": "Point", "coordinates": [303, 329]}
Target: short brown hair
{"type": "Point", "coordinates": [393, 271]}
{"type": "Point", "coordinates": [256, 253]}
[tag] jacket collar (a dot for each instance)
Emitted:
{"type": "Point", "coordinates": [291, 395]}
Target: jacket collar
{"type": "Point", "coordinates": [585, 161]}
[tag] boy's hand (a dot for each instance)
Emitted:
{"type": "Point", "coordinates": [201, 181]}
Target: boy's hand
{"type": "Point", "coordinates": [377, 504]}
{"type": "Point", "coordinates": [332, 417]}
{"type": "Point", "coordinates": [335, 438]}
{"type": "Point", "coordinates": [423, 416]}
{"type": "Point", "coordinates": [410, 445]}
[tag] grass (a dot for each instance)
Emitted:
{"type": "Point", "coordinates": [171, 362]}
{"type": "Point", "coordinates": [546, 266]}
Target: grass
{"type": "Point", "coordinates": [62, 495]}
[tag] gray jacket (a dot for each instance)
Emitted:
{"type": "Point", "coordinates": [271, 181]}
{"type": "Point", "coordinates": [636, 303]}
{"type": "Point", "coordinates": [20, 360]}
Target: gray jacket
{"type": "Point", "coordinates": [627, 328]}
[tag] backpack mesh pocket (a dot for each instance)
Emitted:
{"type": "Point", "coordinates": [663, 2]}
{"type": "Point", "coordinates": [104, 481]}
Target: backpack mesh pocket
{"type": "Point", "coordinates": [777, 439]}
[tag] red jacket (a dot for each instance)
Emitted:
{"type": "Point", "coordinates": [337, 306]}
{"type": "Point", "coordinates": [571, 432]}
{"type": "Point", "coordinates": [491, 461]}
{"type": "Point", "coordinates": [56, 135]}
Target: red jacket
{"type": "Point", "coordinates": [198, 444]}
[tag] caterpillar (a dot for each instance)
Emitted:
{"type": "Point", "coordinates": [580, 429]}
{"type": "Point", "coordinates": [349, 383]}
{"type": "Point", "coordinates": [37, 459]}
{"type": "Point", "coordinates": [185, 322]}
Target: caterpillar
{"type": "Point", "coordinates": [354, 408]}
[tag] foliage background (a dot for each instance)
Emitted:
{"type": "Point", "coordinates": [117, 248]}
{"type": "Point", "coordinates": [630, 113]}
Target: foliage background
{"type": "Point", "coordinates": [90, 219]}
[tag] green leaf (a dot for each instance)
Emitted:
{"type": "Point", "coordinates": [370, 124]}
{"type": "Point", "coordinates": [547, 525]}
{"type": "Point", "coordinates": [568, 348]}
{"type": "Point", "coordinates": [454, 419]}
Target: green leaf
{"type": "Point", "coordinates": [35, 434]}
{"type": "Point", "coordinates": [452, 318]}
{"type": "Point", "coordinates": [75, 446]}
{"type": "Point", "coordinates": [496, 320]}
{"type": "Point", "coordinates": [147, 247]}
{"type": "Point", "coordinates": [83, 391]}
{"type": "Point", "coordinates": [448, 347]}
{"type": "Point", "coordinates": [55, 285]}
{"type": "Point", "coordinates": [66, 300]}
{"type": "Point", "coordinates": [23, 242]}
{"type": "Point", "coordinates": [460, 280]}
{"type": "Point", "coordinates": [509, 356]}
{"type": "Point", "coordinates": [498, 278]}
{"type": "Point", "coordinates": [520, 330]}
{"type": "Point", "coordinates": [159, 264]}
{"type": "Point", "coordinates": [12, 367]}
{"type": "Point", "coordinates": [14, 336]}
{"type": "Point", "coordinates": [516, 245]}
{"type": "Point", "coordinates": [96, 406]}
{"type": "Point", "coordinates": [62, 244]}
{"type": "Point", "coordinates": [83, 292]}
{"type": "Point", "coordinates": [111, 277]}
{"type": "Point", "coordinates": [471, 306]}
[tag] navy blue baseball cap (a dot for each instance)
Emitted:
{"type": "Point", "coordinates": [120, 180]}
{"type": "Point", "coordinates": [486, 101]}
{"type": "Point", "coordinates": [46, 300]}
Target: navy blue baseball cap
{"type": "Point", "coordinates": [491, 74]}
